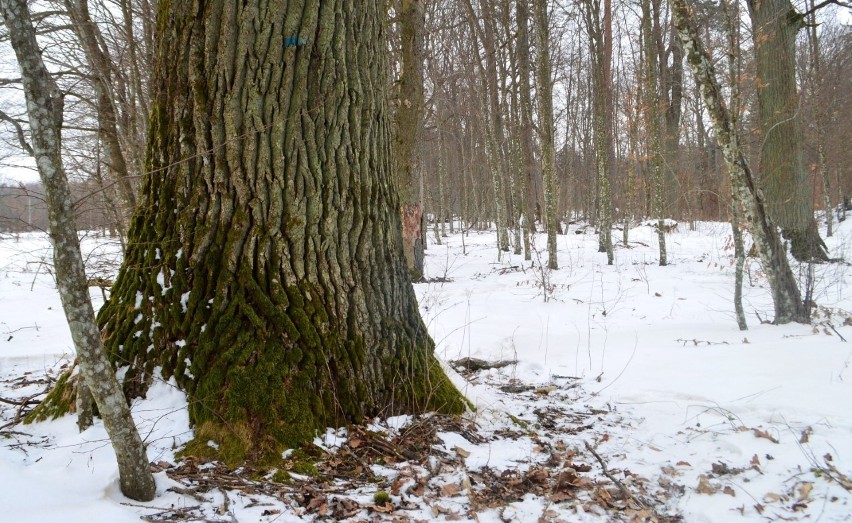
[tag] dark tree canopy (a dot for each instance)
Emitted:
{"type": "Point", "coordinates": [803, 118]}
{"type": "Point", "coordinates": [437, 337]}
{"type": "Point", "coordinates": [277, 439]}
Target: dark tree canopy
{"type": "Point", "coordinates": [264, 269]}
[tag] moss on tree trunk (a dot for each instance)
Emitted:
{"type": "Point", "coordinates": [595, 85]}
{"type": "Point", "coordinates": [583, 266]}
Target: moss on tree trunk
{"type": "Point", "coordinates": [265, 269]}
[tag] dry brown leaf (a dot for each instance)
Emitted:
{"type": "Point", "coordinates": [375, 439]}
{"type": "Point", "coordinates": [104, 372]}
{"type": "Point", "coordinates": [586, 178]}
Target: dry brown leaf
{"type": "Point", "coordinates": [771, 497]}
{"type": "Point", "coordinates": [765, 435]}
{"type": "Point", "coordinates": [355, 443]}
{"type": "Point", "coordinates": [538, 475]}
{"type": "Point", "coordinates": [683, 464]}
{"type": "Point", "coordinates": [450, 489]}
{"type": "Point", "coordinates": [729, 491]}
{"type": "Point", "coordinates": [462, 453]}
{"type": "Point", "coordinates": [704, 486]}
{"type": "Point", "coordinates": [669, 470]}
{"type": "Point", "coordinates": [317, 503]}
{"type": "Point", "coordinates": [397, 484]}
{"type": "Point", "coordinates": [345, 508]}
{"type": "Point", "coordinates": [805, 490]}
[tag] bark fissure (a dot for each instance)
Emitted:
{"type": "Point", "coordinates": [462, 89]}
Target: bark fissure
{"type": "Point", "coordinates": [283, 304]}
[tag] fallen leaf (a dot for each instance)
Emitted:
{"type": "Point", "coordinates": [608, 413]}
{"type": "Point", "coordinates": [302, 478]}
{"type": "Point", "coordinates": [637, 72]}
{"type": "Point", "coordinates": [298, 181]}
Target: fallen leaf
{"type": "Point", "coordinates": [461, 452]}
{"type": "Point", "coordinates": [765, 435]}
{"type": "Point", "coordinates": [671, 471]}
{"type": "Point", "coordinates": [704, 486]}
{"type": "Point", "coordinates": [450, 489]}
{"type": "Point", "coordinates": [805, 490]}
{"type": "Point", "coordinates": [771, 497]}
{"type": "Point", "coordinates": [729, 491]}
{"type": "Point", "coordinates": [345, 508]}
{"type": "Point", "coordinates": [317, 504]}
{"type": "Point", "coordinates": [683, 464]}
{"type": "Point", "coordinates": [538, 475]}
{"type": "Point", "coordinates": [806, 435]}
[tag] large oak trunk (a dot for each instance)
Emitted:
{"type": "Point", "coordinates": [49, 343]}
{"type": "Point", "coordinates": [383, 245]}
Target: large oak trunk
{"type": "Point", "coordinates": [265, 269]}
{"type": "Point", "coordinates": [789, 199]}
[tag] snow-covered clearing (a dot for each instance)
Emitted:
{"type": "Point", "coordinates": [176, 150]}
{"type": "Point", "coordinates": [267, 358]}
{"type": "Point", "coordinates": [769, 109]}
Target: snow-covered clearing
{"type": "Point", "coordinates": [634, 367]}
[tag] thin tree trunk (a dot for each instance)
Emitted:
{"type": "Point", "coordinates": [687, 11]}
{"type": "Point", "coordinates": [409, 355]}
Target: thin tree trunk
{"type": "Point", "coordinates": [652, 104]}
{"type": "Point", "coordinates": [734, 69]}
{"type": "Point", "coordinates": [546, 131]}
{"type": "Point", "coordinates": [44, 107]}
{"type": "Point", "coordinates": [526, 128]}
{"type": "Point", "coordinates": [600, 43]}
{"type": "Point", "coordinates": [740, 255]}
{"type": "Point", "coordinates": [100, 63]}
{"type": "Point", "coordinates": [820, 117]}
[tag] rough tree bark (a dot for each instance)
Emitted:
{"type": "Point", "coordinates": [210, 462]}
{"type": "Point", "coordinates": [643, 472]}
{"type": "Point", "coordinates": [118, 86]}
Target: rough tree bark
{"type": "Point", "coordinates": [785, 292]}
{"type": "Point", "coordinates": [265, 270]}
{"type": "Point", "coordinates": [789, 199]}
{"type": "Point", "coordinates": [44, 108]}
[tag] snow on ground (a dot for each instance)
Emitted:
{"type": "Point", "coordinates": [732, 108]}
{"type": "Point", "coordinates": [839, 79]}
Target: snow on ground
{"type": "Point", "coordinates": [635, 367]}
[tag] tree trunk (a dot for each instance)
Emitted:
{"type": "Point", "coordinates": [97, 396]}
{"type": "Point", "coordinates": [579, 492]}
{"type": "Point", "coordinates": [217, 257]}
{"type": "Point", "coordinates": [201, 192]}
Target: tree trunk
{"type": "Point", "coordinates": [775, 24]}
{"type": "Point", "coordinates": [44, 107]}
{"type": "Point", "coordinates": [652, 104]}
{"type": "Point", "coordinates": [730, 8]}
{"type": "Point", "coordinates": [265, 271]}
{"type": "Point", "coordinates": [673, 89]}
{"type": "Point", "coordinates": [785, 292]}
{"type": "Point", "coordinates": [819, 95]}
{"type": "Point", "coordinates": [489, 100]}
{"type": "Point", "coordinates": [526, 127]}
{"type": "Point", "coordinates": [545, 116]}
{"type": "Point", "coordinates": [409, 116]}
{"type": "Point", "coordinates": [600, 51]}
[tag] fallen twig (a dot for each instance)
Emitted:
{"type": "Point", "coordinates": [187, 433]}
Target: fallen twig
{"type": "Point", "coordinates": [612, 478]}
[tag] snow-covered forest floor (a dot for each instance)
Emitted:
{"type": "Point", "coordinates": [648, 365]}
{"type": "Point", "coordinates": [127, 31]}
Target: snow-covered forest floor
{"type": "Point", "coordinates": [620, 393]}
